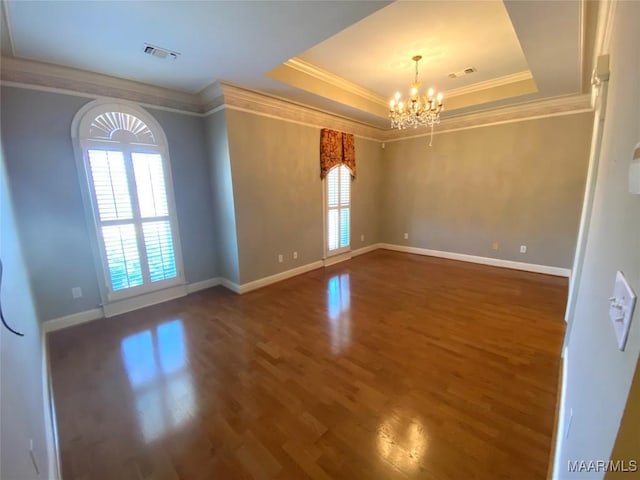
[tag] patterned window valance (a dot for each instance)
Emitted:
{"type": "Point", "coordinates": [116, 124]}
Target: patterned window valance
{"type": "Point", "coordinates": [336, 148]}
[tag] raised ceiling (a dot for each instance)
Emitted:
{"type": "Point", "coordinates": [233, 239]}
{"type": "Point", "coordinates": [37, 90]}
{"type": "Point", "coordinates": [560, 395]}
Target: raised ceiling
{"type": "Point", "coordinates": [343, 57]}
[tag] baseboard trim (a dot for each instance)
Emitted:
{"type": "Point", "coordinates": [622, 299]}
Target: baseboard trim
{"type": "Point", "coordinates": [131, 304]}
{"type": "Point", "coordinates": [169, 294]}
{"type": "Point", "coordinates": [367, 249]}
{"type": "Point", "coordinates": [71, 320]}
{"type": "Point", "coordinates": [228, 284]}
{"type": "Point", "coordinates": [327, 262]}
{"type": "Point", "coordinates": [51, 429]}
{"type": "Point", "coordinates": [134, 303]}
{"type": "Point", "coordinates": [278, 277]}
{"type": "Point", "coordinates": [204, 284]}
{"type": "Point", "coordinates": [495, 262]}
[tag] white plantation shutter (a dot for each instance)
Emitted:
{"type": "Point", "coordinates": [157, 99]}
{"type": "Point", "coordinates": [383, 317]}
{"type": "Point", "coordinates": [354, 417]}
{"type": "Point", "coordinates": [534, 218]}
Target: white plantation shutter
{"type": "Point", "coordinates": [132, 207]}
{"type": "Point", "coordinates": [338, 208]}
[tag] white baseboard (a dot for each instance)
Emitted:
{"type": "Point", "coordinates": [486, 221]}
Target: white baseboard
{"type": "Point", "coordinates": [560, 427]}
{"type": "Point", "coordinates": [367, 249]}
{"type": "Point", "coordinates": [130, 304]}
{"type": "Point", "coordinates": [176, 292]}
{"type": "Point", "coordinates": [50, 426]}
{"type": "Point", "coordinates": [496, 262]}
{"type": "Point", "coordinates": [278, 277]}
{"type": "Point", "coordinates": [134, 303]}
{"type": "Point", "coordinates": [204, 284]}
{"type": "Point", "coordinates": [71, 320]}
{"type": "Point", "coordinates": [327, 262]}
{"type": "Point", "coordinates": [228, 284]}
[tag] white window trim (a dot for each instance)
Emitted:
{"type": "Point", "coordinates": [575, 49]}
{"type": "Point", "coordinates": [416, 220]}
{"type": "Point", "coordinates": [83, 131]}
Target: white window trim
{"type": "Point", "coordinates": [325, 212]}
{"type": "Point", "coordinates": [79, 132]}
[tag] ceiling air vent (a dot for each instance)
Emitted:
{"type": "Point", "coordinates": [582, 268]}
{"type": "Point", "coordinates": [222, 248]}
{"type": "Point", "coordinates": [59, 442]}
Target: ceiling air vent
{"type": "Point", "coordinates": [463, 72]}
{"type": "Point", "coordinates": [160, 52]}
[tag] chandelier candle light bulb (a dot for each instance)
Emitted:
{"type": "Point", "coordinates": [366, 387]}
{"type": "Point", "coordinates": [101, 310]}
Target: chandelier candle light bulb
{"type": "Point", "coordinates": [418, 110]}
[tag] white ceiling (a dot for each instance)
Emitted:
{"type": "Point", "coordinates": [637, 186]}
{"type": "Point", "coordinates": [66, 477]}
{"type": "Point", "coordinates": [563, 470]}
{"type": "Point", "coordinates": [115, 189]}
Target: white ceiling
{"type": "Point", "coordinates": [369, 43]}
{"type": "Point", "coordinates": [450, 36]}
{"type": "Point", "coordinates": [233, 41]}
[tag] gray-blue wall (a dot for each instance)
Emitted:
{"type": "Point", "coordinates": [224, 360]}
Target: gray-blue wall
{"type": "Point", "coordinates": [36, 128]}
{"type": "Point", "coordinates": [22, 408]}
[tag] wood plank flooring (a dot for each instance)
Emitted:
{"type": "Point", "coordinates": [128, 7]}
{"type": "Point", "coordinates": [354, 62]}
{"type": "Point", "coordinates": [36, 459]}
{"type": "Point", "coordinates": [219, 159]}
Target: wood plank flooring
{"type": "Point", "coordinates": [388, 366]}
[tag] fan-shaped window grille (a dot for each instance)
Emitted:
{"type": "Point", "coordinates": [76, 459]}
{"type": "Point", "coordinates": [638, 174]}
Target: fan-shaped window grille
{"type": "Point", "coordinates": [122, 127]}
{"type": "Point", "coordinates": [128, 176]}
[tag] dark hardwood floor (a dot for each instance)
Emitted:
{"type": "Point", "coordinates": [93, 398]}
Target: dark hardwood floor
{"type": "Point", "coordinates": [387, 366]}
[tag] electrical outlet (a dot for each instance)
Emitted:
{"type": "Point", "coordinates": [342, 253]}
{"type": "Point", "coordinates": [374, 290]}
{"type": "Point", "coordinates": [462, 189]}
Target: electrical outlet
{"type": "Point", "coordinates": [362, 237]}
{"type": "Point", "coordinates": [406, 236]}
{"type": "Point", "coordinates": [76, 292]}
{"type": "Point", "coordinates": [523, 249]}
{"type": "Point", "coordinates": [295, 255]}
{"type": "Point", "coordinates": [280, 258]}
{"type": "Point", "coordinates": [495, 245]}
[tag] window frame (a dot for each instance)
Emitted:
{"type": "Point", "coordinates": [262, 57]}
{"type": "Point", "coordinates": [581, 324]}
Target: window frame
{"type": "Point", "coordinates": [82, 144]}
{"type": "Point", "coordinates": [325, 207]}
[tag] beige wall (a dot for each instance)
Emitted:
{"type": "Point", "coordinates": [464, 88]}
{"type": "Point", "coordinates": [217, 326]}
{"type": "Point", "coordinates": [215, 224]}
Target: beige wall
{"type": "Point", "coordinates": [279, 195]}
{"type": "Point", "coordinates": [516, 184]}
{"type": "Point", "coordinates": [223, 207]}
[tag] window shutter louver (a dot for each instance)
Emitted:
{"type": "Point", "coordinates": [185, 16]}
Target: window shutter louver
{"type": "Point", "coordinates": [131, 203]}
{"type": "Point", "coordinates": [338, 208]}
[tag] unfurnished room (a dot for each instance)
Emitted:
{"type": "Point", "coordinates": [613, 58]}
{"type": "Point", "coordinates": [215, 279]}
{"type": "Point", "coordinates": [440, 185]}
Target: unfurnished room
{"type": "Point", "coordinates": [319, 240]}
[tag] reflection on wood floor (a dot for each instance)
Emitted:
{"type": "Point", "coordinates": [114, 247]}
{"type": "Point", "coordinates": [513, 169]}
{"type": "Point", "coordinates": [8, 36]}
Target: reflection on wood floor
{"type": "Point", "coordinates": [387, 366]}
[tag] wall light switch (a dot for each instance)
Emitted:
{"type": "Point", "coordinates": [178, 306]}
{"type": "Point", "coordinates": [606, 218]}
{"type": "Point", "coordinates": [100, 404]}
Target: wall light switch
{"type": "Point", "coordinates": [406, 236]}
{"type": "Point", "coordinates": [621, 308]}
{"type": "Point", "coordinates": [76, 292]}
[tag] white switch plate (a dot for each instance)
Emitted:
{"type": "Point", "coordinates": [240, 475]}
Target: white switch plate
{"type": "Point", "coordinates": [406, 236]}
{"type": "Point", "coordinates": [623, 302]}
{"type": "Point", "coordinates": [76, 292]}
{"type": "Point", "coordinates": [523, 249]}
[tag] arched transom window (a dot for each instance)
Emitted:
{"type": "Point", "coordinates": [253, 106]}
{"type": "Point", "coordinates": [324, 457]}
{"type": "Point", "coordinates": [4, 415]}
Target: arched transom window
{"type": "Point", "coordinates": [127, 172]}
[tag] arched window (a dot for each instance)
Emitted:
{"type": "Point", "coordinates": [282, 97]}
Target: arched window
{"type": "Point", "coordinates": [338, 209]}
{"type": "Point", "coordinates": [126, 167]}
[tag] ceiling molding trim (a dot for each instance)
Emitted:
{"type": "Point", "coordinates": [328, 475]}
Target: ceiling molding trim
{"type": "Point", "coordinates": [237, 98]}
{"type": "Point", "coordinates": [211, 97]}
{"type": "Point", "coordinates": [568, 105]}
{"type": "Point", "coordinates": [335, 80]}
{"type": "Point", "coordinates": [74, 93]}
{"type": "Point", "coordinates": [487, 84]}
{"type": "Point", "coordinates": [64, 78]}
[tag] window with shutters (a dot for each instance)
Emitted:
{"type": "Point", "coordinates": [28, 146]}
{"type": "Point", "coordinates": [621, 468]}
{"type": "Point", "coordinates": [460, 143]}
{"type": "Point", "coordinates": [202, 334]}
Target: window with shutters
{"type": "Point", "coordinates": [338, 209]}
{"type": "Point", "coordinates": [129, 182]}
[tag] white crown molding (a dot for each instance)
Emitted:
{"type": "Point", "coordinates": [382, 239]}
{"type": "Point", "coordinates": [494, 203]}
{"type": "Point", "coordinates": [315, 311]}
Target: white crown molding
{"type": "Point", "coordinates": [487, 84]}
{"type": "Point", "coordinates": [28, 72]}
{"type": "Point", "coordinates": [40, 76]}
{"type": "Point", "coordinates": [335, 80]}
{"type": "Point", "coordinates": [237, 98]}
{"type": "Point", "coordinates": [211, 97]}
{"type": "Point", "coordinates": [567, 105]}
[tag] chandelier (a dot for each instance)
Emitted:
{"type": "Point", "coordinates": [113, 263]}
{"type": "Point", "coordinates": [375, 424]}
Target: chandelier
{"type": "Point", "coordinates": [418, 109]}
